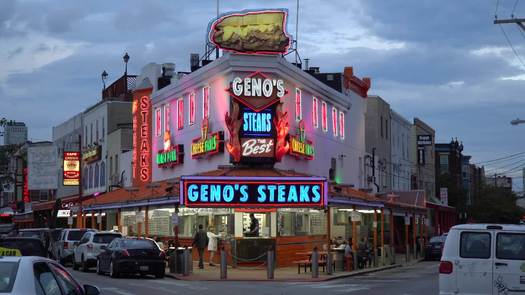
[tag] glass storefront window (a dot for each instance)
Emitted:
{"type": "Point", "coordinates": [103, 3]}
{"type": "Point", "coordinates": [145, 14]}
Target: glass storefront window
{"type": "Point", "coordinates": [264, 220]}
{"type": "Point", "coordinates": [128, 220]}
{"type": "Point", "coordinates": [159, 221]}
{"type": "Point", "coordinates": [301, 222]}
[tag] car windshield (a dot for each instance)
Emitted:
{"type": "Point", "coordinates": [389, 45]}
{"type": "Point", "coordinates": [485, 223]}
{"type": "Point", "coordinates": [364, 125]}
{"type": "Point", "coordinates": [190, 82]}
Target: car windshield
{"type": "Point", "coordinates": [8, 272]}
{"type": "Point", "coordinates": [139, 244]}
{"type": "Point", "coordinates": [75, 235]}
{"type": "Point", "coordinates": [104, 238]}
{"type": "Point", "coordinates": [27, 247]}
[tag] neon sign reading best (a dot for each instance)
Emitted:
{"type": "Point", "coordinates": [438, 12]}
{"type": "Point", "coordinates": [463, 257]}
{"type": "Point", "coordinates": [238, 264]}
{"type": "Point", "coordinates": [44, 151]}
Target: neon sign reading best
{"type": "Point", "coordinates": [205, 191]}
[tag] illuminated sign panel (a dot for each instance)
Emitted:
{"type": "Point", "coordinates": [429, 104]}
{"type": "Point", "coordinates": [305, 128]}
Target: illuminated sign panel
{"type": "Point", "coordinates": [257, 91]}
{"type": "Point", "coordinates": [192, 109]}
{"type": "Point", "coordinates": [142, 115]}
{"type": "Point", "coordinates": [71, 168]}
{"type": "Point", "coordinates": [93, 154]}
{"type": "Point", "coordinates": [180, 113]}
{"type": "Point", "coordinates": [260, 192]}
{"type": "Point", "coordinates": [170, 157]}
{"type": "Point", "coordinates": [251, 32]}
{"type": "Point", "coordinates": [341, 125]}
{"type": "Point", "coordinates": [211, 145]}
{"type": "Point", "coordinates": [301, 148]}
{"type": "Point", "coordinates": [298, 105]}
{"type": "Point", "coordinates": [257, 123]}
{"type": "Point", "coordinates": [205, 102]}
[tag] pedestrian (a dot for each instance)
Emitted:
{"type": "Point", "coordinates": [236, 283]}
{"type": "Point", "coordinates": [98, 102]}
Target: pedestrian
{"type": "Point", "coordinates": [254, 226]}
{"type": "Point", "coordinates": [349, 255]}
{"type": "Point", "coordinates": [212, 244]}
{"type": "Point", "coordinates": [200, 241]}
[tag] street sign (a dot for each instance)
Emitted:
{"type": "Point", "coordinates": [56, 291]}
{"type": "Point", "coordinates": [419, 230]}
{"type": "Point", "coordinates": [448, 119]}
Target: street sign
{"type": "Point", "coordinates": [443, 195]}
{"type": "Point", "coordinates": [355, 216]}
{"type": "Point", "coordinates": [424, 140]}
{"type": "Point", "coordinates": [175, 219]}
{"type": "Point", "coordinates": [64, 213]}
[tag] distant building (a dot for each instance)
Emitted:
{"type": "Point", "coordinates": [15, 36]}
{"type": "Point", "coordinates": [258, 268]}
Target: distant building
{"type": "Point", "coordinates": [377, 140]}
{"type": "Point", "coordinates": [473, 179]}
{"type": "Point", "coordinates": [15, 133]}
{"type": "Point", "coordinates": [449, 175]}
{"type": "Point", "coordinates": [501, 181]}
{"type": "Point", "coordinates": [400, 150]}
{"type": "Point", "coordinates": [422, 155]}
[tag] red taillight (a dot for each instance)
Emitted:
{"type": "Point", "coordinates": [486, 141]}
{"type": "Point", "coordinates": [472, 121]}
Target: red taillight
{"type": "Point", "coordinates": [125, 253]}
{"type": "Point", "coordinates": [446, 267]}
{"type": "Point", "coordinates": [66, 245]}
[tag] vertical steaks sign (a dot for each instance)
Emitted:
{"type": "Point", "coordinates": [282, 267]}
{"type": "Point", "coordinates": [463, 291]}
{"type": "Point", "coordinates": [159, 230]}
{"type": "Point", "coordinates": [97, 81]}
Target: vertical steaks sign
{"type": "Point", "coordinates": [221, 191]}
{"type": "Point", "coordinates": [252, 122]}
{"type": "Point", "coordinates": [141, 112]}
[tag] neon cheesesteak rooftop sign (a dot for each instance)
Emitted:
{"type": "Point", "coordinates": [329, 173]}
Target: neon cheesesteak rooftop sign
{"type": "Point", "coordinates": [221, 191]}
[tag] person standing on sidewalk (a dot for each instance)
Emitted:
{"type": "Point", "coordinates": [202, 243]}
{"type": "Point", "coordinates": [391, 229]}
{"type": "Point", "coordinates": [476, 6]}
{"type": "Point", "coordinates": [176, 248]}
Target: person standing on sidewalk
{"type": "Point", "coordinates": [212, 244]}
{"type": "Point", "coordinates": [200, 241]}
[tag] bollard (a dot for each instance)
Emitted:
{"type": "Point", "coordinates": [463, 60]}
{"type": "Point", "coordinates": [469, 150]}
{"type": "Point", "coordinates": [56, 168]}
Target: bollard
{"type": "Point", "coordinates": [407, 254]}
{"type": "Point", "coordinates": [315, 263]}
{"type": "Point", "coordinates": [224, 265]}
{"type": "Point", "coordinates": [329, 264]}
{"type": "Point", "coordinates": [270, 264]}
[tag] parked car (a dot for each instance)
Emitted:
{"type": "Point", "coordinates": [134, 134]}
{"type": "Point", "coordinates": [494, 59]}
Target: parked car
{"type": "Point", "coordinates": [89, 246]}
{"type": "Point", "coordinates": [132, 256]}
{"type": "Point", "coordinates": [54, 236]}
{"type": "Point", "coordinates": [33, 232]}
{"type": "Point", "coordinates": [17, 275]}
{"type": "Point", "coordinates": [483, 259]}
{"type": "Point", "coordinates": [434, 247]}
{"type": "Point", "coordinates": [25, 246]}
{"type": "Point", "coordinates": [65, 244]}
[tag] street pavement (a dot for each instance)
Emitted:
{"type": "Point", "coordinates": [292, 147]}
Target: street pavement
{"type": "Point", "coordinates": [421, 278]}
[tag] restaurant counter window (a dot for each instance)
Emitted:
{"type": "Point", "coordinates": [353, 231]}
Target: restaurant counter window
{"type": "Point", "coordinates": [159, 222]}
{"type": "Point", "coordinates": [128, 220]}
{"type": "Point", "coordinates": [221, 219]}
{"type": "Point", "coordinates": [301, 222]}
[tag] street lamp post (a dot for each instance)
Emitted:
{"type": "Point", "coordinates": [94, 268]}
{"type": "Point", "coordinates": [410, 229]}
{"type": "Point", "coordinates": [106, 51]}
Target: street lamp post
{"type": "Point", "coordinates": [126, 59]}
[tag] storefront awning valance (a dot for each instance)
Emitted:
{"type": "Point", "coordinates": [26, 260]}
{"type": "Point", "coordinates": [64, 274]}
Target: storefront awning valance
{"type": "Point", "coordinates": [133, 204]}
{"type": "Point", "coordinates": [345, 201]}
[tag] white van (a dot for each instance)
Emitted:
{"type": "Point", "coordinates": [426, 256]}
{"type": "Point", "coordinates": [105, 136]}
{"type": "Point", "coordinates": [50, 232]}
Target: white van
{"type": "Point", "coordinates": [483, 259]}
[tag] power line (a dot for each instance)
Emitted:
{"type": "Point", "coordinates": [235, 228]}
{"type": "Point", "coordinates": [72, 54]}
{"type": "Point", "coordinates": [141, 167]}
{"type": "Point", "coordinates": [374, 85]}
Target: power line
{"type": "Point", "coordinates": [514, 8]}
{"type": "Point", "coordinates": [522, 161]}
{"type": "Point", "coordinates": [496, 11]}
{"type": "Point", "coordinates": [511, 46]}
{"type": "Point", "coordinates": [498, 159]}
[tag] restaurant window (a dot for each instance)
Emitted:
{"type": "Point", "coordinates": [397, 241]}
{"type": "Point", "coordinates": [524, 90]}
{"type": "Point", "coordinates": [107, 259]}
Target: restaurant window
{"type": "Point", "coordinates": [158, 122]}
{"type": "Point", "coordinates": [301, 222]}
{"type": "Point", "coordinates": [128, 220]}
{"type": "Point", "coordinates": [167, 118]}
{"type": "Point", "coordinates": [342, 124]}
{"type": "Point", "coordinates": [206, 102]}
{"type": "Point", "coordinates": [222, 221]}
{"type": "Point", "coordinates": [315, 112]}
{"type": "Point", "coordinates": [191, 115]}
{"type": "Point", "coordinates": [324, 119]}
{"type": "Point", "coordinates": [180, 113]}
{"type": "Point", "coordinates": [298, 105]}
{"type": "Point", "coordinates": [334, 121]}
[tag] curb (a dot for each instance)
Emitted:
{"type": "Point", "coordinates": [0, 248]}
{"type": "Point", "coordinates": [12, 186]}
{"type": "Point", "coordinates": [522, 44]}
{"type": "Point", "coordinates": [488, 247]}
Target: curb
{"type": "Point", "coordinates": [330, 278]}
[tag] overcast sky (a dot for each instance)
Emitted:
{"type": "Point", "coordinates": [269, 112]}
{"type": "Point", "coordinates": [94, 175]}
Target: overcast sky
{"type": "Point", "coordinates": [442, 61]}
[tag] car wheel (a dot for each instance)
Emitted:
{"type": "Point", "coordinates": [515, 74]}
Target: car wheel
{"type": "Point", "coordinates": [112, 270]}
{"type": "Point", "coordinates": [75, 265]}
{"type": "Point", "coordinates": [160, 274]}
{"type": "Point", "coordinates": [83, 265]}
{"type": "Point", "coordinates": [99, 271]}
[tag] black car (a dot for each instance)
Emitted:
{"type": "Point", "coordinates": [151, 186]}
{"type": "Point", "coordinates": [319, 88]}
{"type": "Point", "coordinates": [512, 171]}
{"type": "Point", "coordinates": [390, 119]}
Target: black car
{"type": "Point", "coordinates": [26, 246]}
{"type": "Point", "coordinates": [434, 247]}
{"type": "Point", "coordinates": [131, 256]}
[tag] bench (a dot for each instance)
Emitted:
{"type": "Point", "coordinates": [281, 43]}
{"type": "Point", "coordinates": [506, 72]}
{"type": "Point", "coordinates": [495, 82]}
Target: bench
{"type": "Point", "coordinates": [308, 263]}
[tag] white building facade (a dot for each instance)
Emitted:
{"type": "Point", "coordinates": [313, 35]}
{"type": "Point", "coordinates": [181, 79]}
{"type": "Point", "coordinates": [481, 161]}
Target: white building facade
{"type": "Point", "coordinates": [400, 148]}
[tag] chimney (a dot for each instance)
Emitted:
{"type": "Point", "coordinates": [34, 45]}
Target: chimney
{"type": "Point", "coordinates": [168, 69]}
{"type": "Point", "coordinates": [194, 61]}
{"type": "Point", "coordinates": [306, 61]}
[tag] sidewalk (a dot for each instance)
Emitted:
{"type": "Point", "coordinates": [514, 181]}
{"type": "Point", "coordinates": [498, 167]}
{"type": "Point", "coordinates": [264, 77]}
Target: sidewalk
{"type": "Point", "coordinates": [289, 274]}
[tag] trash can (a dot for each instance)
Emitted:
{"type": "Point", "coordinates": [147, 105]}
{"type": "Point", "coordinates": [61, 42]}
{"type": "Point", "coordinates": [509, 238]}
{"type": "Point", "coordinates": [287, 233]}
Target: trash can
{"type": "Point", "coordinates": [177, 260]}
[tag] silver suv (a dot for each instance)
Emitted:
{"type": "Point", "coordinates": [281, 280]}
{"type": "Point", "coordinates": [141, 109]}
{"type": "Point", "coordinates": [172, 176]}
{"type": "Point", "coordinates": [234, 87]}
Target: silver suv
{"type": "Point", "coordinates": [66, 243]}
{"type": "Point", "coordinates": [88, 248]}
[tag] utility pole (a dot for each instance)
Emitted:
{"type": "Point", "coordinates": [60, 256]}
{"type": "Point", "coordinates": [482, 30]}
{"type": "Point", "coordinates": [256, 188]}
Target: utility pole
{"type": "Point", "coordinates": [80, 214]}
{"type": "Point", "coordinates": [518, 21]}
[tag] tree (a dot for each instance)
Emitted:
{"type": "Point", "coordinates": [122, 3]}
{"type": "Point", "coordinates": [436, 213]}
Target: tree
{"type": "Point", "coordinates": [496, 205]}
